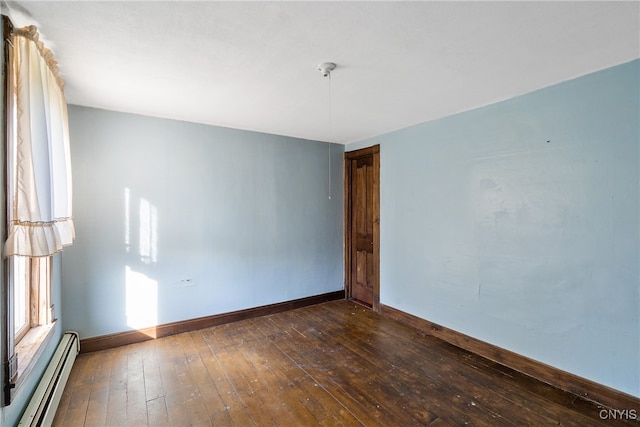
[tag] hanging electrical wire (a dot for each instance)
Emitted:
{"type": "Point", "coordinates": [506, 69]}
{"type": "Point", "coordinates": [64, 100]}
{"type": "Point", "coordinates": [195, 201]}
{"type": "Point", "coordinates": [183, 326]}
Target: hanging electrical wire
{"type": "Point", "coordinates": [330, 133]}
{"type": "Point", "coordinates": [326, 68]}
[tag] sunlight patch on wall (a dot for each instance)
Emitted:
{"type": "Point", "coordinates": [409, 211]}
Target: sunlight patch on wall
{"type": "Point", "coordinates": [127, 220]}
{"type": "Point", "coordinates": [142, 300]}
{"type": "Point", "coordinates": [148, 232]}
{"type": "Point", "coordinates": [147, 228]}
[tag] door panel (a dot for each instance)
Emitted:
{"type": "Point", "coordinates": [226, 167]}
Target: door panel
{"type": "Point", "coordinates": [362, 290]}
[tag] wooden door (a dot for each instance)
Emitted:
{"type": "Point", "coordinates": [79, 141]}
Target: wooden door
{"type": "Point", "coordinates": [362, 226]}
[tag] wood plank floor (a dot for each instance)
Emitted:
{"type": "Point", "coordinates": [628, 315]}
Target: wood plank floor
{"type": "Point", "coordinates": [332, 364]}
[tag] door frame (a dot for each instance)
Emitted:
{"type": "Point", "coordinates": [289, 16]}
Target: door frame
{"type": "Point", "coordinates": [348, 221]}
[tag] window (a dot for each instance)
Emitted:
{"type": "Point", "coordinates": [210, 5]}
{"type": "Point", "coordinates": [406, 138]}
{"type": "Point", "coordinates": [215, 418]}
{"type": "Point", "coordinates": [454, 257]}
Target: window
{"type": "Point", "coordinates": [37, 197]}
{"type": "Point", "coordinates": [33, 319]}
{"type": "Point", "coordinates": [21, 302]}
{"type": "Point", "coordinates": [31, 279]}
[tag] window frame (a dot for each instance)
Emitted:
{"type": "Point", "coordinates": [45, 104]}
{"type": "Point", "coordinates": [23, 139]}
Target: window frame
{"type": "Point", "coordinates": [36, 285]}
{"type": "Point", "coordinates": [25, 346]}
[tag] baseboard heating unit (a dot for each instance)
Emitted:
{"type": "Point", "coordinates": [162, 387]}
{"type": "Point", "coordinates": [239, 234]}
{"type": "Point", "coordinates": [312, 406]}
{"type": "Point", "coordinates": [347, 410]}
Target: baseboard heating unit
{"type": "Point", "coordinates": [42, 406]}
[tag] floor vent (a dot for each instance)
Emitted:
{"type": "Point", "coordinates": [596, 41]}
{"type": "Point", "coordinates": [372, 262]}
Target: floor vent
{"type": "Point", "coordinates": [42, 407]}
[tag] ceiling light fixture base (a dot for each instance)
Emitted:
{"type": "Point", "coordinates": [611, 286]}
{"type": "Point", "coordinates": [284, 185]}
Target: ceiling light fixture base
{"type": "Point", "coordinates": [326, 68]}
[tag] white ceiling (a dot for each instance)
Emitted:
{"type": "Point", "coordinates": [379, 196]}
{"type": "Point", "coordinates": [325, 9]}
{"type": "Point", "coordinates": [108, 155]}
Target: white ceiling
{"type": "Point", "coordinates": [253, 65]}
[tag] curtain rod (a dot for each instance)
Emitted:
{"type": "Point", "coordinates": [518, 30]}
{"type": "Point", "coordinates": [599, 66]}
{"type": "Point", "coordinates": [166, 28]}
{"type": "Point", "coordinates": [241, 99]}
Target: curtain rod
{"type": "Point", "coordinates": [7, 29]}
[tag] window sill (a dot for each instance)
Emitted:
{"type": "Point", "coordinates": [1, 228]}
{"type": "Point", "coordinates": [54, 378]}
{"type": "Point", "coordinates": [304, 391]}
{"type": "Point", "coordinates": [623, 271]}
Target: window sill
{"type": "Point", "coordinates": [30, 348]}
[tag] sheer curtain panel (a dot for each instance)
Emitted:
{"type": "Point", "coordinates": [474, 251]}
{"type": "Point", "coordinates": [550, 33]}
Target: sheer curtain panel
{"type": "Point", "coordinates": [38, 160]}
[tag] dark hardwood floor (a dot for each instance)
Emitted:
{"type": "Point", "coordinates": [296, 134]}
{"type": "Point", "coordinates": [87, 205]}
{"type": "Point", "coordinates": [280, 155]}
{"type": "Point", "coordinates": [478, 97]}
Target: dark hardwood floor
{"type": "Point", "coordinates": [334, 363]}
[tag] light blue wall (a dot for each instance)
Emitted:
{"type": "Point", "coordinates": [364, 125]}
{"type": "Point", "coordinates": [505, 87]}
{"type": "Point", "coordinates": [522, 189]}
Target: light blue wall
{"type": "Point", "coordinates": [245, 216]}
{"type": "Point", "coordinates": [517, 224]}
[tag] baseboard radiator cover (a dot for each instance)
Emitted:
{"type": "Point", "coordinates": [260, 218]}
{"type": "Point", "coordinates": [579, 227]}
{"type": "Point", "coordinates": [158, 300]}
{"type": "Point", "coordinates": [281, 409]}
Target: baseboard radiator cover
{"type": "Point", "coordinates": [43, 404]}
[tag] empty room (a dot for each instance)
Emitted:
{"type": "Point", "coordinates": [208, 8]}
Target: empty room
{"type": "Point", "coordinates": [320, 213]}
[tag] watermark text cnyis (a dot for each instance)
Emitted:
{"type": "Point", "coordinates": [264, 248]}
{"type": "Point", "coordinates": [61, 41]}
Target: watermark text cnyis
{"type": "Point", "coordinates": [618, 414]}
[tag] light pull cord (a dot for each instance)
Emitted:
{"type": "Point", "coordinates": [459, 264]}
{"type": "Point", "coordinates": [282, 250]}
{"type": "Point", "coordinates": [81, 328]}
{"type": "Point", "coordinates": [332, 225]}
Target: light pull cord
{"type": "Point", "coordinates": [326, 68]}
{"type": "Point", "coordinates": [330, 134]}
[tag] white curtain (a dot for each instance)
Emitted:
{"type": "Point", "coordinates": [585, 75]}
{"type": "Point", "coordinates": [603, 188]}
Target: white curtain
{"type": "Point", "coordinates": [38, 160]}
